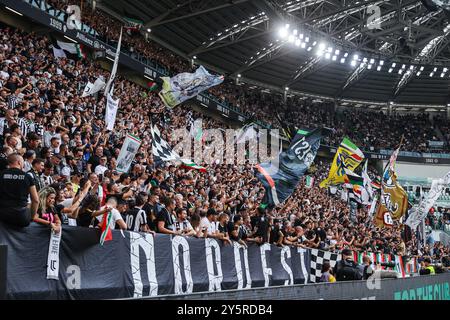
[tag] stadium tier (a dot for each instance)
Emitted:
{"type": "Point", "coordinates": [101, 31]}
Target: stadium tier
{"type": "Point", "coordinates": [148, 154]}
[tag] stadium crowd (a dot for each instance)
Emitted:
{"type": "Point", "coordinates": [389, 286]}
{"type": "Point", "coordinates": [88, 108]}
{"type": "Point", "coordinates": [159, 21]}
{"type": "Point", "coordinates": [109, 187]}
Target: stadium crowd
{"type": "Point", "coordinates": [72, 159]}
{"type": "Point", "coordinates": [374, 129]}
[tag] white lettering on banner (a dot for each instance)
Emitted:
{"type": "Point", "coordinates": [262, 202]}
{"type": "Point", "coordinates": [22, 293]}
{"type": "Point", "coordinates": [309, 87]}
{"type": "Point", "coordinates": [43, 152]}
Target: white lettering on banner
{"type": "Point", "coordinates": [286, 253]}
{"type": "Point", "coordinates": [83, 38]}
{"type": "Point", "coordinates": [53, 255]}
{"type": "Point", "coordinates": [215, 280]}
{"type": "Point", "coordinates": [238, 264]}
{"type": "Point", "coordinates": [302, 263]}
{"type": "Point", "coordinates": [56, 24]}
{"type": "Point", "coordinates": [150, 72]}
{"type": "Point", "coordinates": [176, 242]}
{"type": "Point", "coordinates": [266, 270]}
{"type": "Point", "coordinates": [74, 277]}
{"type": "Point", "coordinates": [144, 241]}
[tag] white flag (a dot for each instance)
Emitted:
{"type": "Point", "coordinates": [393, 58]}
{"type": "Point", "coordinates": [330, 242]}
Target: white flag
{"type": "Point", "coordinates": [92, 88]}
{"type": "Point", "coordinates": [88, 89]}
{"type": "Point", "coordinates": [111, 112]}
{"type": "Point", "coordinates": [59, 53]}
{"type": "Point", "coordinates": [367, 182]}
{"type": "Point", "coordinates": [114, 68]}
{"type": "Point", "coordinates": [418, 214]}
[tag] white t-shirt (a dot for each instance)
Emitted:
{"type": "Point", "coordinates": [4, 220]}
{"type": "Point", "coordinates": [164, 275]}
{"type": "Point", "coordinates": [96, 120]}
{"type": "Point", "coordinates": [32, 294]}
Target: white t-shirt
{"type": "Point", "coordinates": [115, 217]}
{"type": "Point", "coordinates": [211, 227]}
{"type": "Point", "coordinates": [182, 225]}
{"type": "Point", "coordinates": [100, 169]}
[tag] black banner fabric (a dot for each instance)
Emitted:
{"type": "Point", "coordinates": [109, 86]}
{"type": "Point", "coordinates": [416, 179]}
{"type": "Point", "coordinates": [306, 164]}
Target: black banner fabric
{"type": "Point", "coordinates": [141, 265]}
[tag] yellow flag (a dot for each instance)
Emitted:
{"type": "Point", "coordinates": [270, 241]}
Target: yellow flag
{"type": "Point", "coordinates": [348, 156]}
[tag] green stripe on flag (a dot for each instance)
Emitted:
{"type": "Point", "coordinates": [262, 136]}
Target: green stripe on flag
{"type": "Point", "coordinates": [303, 132]}
{"type": "Point", "coordinates": [349, 145]}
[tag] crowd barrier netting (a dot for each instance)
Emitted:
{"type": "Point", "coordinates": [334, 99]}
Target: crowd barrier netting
{"type": "Point", "coordinates": [139, 265]}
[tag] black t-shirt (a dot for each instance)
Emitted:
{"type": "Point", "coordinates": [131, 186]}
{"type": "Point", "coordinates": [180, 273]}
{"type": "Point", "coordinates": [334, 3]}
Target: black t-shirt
{"type": "Point", "coordinates": [321, 233]}
{"type": "Point", "coordinates": [164, 215]}
{"type": "Point", "coordinates": [262, 224]}
{"type": "Point", "coordinates": [223, 229]}
{"type": "Point", "coordinates": [151, 215]}
{"type": "Point", "coordinates": [274, 234]}
{"type": "Point", "coordinates": [14, 188]}
{"type": "Point", "coordinates": [94, 161]}
{"type": "Point", "coordinates": [240, 232]}
{"type": "Point", "coordinates": [84, 218]}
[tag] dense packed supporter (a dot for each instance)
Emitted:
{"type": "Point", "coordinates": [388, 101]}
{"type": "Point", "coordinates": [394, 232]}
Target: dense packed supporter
{"type": "Point", "coordinates": [56, 143]}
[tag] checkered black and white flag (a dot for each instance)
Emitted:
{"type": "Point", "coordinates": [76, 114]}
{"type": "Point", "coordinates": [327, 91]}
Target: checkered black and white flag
{"type": "Point", "coordinates": [318, 257]}
{"type": "Point", "coordinates": [161, 149]}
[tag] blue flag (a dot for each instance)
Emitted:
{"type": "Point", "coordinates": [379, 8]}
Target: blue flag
{"type": "Point", "coordinates": [186, 85]}
{"type": "Point", "coordinates": [280, 177]}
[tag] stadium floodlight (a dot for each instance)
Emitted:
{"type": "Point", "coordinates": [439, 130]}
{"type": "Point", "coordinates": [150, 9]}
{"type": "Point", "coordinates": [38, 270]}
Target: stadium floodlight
{"type": "Point", "coordinates": [421, 68]}
{"type": "Point", "coordinates": [287, 26]}
{"type": "Point", "coordinates": [379, 68]}
{"type": "Point", "coordinates": [404, 66]}
{"type": "Point", "coordinates": [239, 75]}
{"type": "Point", "coordinates": [442, 74]}
{"type": "Point", "coordinates": [334, 58]}
{"type": "Point", "coordinates": [400, 71]}
{"type": "Point", "coordinates": [330, 49]}
{"type": "Point", "coordinates": [149, 30]}
{"type": "Point", "coordinates": [353, 63]}
{"type": "Point", "coordinates": [301, 36]}
{"type": "Point", "coordinates": [372, 61]}
{"type": "Point", "coordinates": [435, 69]}
{"type": "Point", "coordinates": [381, 62]}
{"type": "Point", "coordinates": [411, 67]}
{"type": "Point", "coordinates": [431, 74]}
{"type": "Point", "coordinates": [194, 57]}
{"type": "Point", "coordinates": [355, 57]}
{"type": "Point", "coordinates": [369, 66]}
{"type": "Point", "coordinates": [307, 39]}
{"type": "Point", "coordinates": [309, 49]}
{"type": "Point", "coordinates": [314, 43]}
{"type": "Point", "coordinates": [282, 33]}
{"type": "Point", "coordinates": [418, 73]}
{"type": "Point", "coordinates": [291, 39]}
{"type": "Point", "coordinates": [390, 70]}
{"type": "Point", "coordinates": [303, 45]}
{"type": "Point", "coordinates": [337, 52]}
{"type": "Point", "coordinates": [286, 88]}
{"type": "Point", "coordinates": [327, 55]}
{"type": "Point", "coordinates": [342, 60]}
{"type": "Point", "coordinates": [322, 46]}
{"type": "Point", "coordinates": [295, 32]}
{"type": "Point", "coordinates": [319, 53]}
{"type": "Point", "coordinates": [444, 70]}
{"type": "Point", "coordinates": [297, 42]}
{"type": "Point", "coordinates": [346, 55]}
{"type": "Point", "coordinates": [393, 65]}
{"type": "Point", "coordinates": [365, 59]}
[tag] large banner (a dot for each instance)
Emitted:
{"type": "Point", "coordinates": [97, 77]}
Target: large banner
{"type": "Point", "coordinates": [139, 265]}
{"type": "Point", "coordinates": [126, 156]}
{"type": "Point", "coordinates": [186, 85]}
{"type": "Point", "coordinates": [418, 214]}
{"type": "Point", "coordinates": [281, 176]}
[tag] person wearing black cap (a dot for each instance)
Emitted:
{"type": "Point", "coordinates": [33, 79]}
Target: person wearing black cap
{"type": "Point", "coordinates": [347, 269]}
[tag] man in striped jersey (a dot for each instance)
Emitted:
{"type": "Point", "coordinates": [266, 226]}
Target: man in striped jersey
{"type": "Point", "coordinates": [26, 123]}
{"type": "Point", "coordinates": [135, 217]}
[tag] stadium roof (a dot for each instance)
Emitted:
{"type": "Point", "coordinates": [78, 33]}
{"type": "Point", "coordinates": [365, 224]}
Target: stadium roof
{"type": "Point", "coordinates": [380, 50]}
